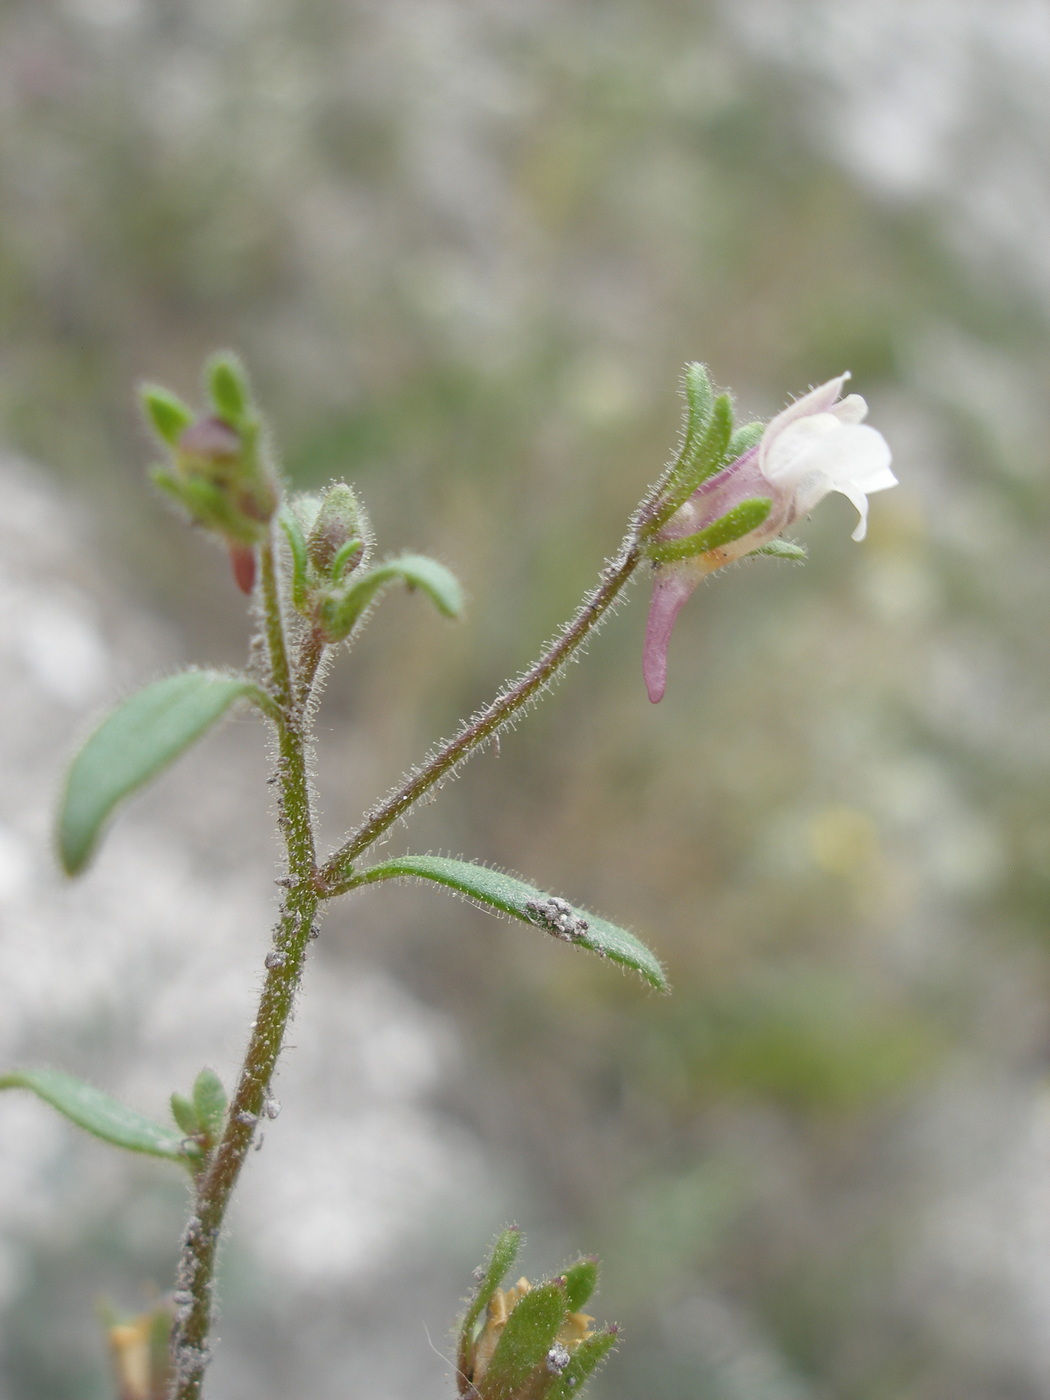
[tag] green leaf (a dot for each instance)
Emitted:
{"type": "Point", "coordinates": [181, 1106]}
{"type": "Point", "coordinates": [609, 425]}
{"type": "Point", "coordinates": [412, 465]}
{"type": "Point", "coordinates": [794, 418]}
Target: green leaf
{"type": "Point", "coordinates": [784, 549]}
{"type": "Point", "coordinates": [743, 439]}
{"type": "Point", "coordinates": [138, 740]}
{"type": "Point", "coordinates": [185, 1114]}
{"type": "Point", "coordinates": [228, 388]}
{"type": "Point", "coordinates": [168, 416]}
{"type": "Point", "coordinates": [581, 1279]}
{"type": "Point", "coordinates": [209, 1102]}
{"type": "Point", "coordinates": [504, 1252]}
{"type": "Point", "coordinates": [527, 1337]}
{"type": "Point", "coordinates": [736, 523]}
{"type": "Point", "coordinates": [509, 895]}
{"type": "Point", "coordinates": [91, 1109]}
{"type": "Point", "coordinates": [584, 1361]}
{"type": "Point", "coordinates": [413, 570]}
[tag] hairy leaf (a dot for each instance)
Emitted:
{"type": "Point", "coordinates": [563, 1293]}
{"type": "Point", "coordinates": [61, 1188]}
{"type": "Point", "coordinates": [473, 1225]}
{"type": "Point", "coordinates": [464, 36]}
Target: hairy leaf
{"type": "Point", "coordinates": [510, 895]}
{"type": "Point", "coordinates": [138, 740]}
{"type": "Point", "coordinates": [414, 570]}
{"type": "Point", "coordinates": [104, 1116]}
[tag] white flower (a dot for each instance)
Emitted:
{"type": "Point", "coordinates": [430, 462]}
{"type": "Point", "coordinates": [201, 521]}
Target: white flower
{"type": "Point", "coordinates": [816, 445]}
{"type": "Point", "coordinates": [820, 444]}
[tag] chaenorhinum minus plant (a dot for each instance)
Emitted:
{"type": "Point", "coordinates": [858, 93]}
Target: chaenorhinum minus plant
{"type": "Point", "coordinates": [309, 562]}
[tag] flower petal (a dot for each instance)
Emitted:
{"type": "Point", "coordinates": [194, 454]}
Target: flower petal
{"type": "Point", "coordinates": [672, 587]}
{"type": "Point", "coordinates": [856, 454]}
{"type": "Point", "coordinates": [852, 409]}
{"type": "Point", "coordinates": [791, 455]}
{"type": "Point", "coordinates": [818, 400]}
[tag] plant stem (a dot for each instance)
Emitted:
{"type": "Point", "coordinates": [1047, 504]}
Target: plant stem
{"type": "Point", "coordinates": [482, 725]}
{"type": "Point", "coordinates": [190, 1336]}
{"type": "Point", "coordinates": [307, 886]}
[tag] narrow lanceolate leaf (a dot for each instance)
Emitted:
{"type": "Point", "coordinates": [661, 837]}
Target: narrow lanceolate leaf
{"type": "Point", "coordinates": [524, 1342]}
{"type": "Point", "coordinates": [584, 1361]}
{"type": "Point", "coordinates": [736, 523]}
{"type": "Point", "coordinates": [138, 740]}
{"type": "Point", "coordinates": [413, 570]}
{"type": "Point", "coordinates": [504, 1252]}
{"type": "Point", "coordinates": [509, 895]}
{"type": "Point", "coordinates": [91, 1109]}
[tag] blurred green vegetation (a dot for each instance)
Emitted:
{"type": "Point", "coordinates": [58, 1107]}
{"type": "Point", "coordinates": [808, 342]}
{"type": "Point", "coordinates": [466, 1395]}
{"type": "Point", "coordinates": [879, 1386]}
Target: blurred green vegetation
{"type": "Point", "coordinates": [465, 251]}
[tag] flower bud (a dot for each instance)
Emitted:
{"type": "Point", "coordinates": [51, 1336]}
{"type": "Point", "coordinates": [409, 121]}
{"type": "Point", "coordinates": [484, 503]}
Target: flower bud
{"type": "Point", "coordinates": [226, 486]}
{"type": "Point", "coordinates": [336, 541]}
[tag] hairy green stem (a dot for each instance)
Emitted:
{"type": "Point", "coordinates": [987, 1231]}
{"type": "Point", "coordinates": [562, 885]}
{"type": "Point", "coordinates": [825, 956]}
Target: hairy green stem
{"type": "Point", "coordinates": [307, 886]}
{"type": "Point", "coordinates": [284, 962]}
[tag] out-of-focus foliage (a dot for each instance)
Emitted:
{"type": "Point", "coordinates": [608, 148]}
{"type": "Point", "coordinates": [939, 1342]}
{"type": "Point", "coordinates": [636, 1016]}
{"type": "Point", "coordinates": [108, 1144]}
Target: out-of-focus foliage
{"type": "Point", "coordinates": [465, 250]}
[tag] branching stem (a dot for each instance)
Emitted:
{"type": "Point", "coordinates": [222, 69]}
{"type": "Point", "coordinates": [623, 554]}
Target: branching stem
{"type": "Point", "coordinates": [190, 1337]}
{"type": "Point", "coordinates": [307, 886]}
{"type": "Point", "coordinates": [334, 876]}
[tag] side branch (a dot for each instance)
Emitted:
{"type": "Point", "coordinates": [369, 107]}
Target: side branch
{"type": "Point", "coordinates": [486, 722]}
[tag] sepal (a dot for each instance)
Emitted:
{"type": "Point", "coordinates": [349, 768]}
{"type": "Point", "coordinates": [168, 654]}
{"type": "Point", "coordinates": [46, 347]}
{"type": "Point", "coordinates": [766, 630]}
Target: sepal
{"type": "Point", "coordinates": [580, 1279]}
{"type": "Point", "coordinates": [228, 388]}
{"type": "Point", "coordinates": [525, 1340]}
{"type": "Point", "coordinates": [533, 1343]}
{"type": "Point", "coordinates": [504, 1252]}
{"type": "Point", "coordinates": [702, 456]}
{"type": "Point", "coordinates": [784, 549]}
{"type": "Point", "coordinates": [744, 438]}
{"type": "Point", "coordinates": [166, 413]}
{"type": "Point", "coordinates": [734, 525]}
